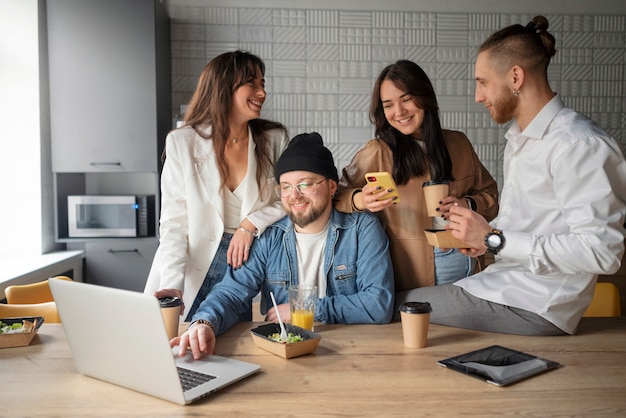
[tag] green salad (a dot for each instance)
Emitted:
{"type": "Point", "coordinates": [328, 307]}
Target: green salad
{"type": "Point", "coordinates": [291, 337]}
{"type": "Point", "coordinates": [14, 328]}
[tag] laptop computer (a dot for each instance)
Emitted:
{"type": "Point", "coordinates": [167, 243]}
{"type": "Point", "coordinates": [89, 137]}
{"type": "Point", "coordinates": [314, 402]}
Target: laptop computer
{"type": "Point", "coordinates": [119, 336]}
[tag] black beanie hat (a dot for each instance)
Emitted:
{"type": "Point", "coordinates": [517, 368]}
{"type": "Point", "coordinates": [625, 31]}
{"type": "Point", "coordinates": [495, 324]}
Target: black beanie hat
{"type": "Point", "coordinates": [306, 152]}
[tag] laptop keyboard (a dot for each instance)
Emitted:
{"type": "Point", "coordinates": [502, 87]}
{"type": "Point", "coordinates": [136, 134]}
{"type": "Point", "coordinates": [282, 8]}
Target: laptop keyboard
{"type": "Point", "coordinates": [190, 378]}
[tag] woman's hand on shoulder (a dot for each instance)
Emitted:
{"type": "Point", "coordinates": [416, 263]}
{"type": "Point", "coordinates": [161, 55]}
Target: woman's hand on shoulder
{"type": "Point", "coordinates": [240, 244]}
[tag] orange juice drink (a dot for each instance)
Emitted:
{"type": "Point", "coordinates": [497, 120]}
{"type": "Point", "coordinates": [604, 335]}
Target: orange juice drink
{"type": "Point", "coordinates": [302, 319]}
{"type": "Point", "coordinates": [302, 300]}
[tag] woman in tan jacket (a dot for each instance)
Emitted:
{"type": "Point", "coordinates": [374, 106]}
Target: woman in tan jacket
{"type": "Point", "coordinates": [411, 145]}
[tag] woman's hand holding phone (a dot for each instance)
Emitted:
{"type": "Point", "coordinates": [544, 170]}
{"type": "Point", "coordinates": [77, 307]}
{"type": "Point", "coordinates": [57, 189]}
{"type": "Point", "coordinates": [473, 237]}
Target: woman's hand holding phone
{"type": "Point", "coordinates": [379, 193]}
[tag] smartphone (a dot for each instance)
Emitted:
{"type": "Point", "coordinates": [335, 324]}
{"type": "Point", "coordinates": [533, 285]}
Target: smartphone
{"type": "Point", "coordinates": [384, 180]}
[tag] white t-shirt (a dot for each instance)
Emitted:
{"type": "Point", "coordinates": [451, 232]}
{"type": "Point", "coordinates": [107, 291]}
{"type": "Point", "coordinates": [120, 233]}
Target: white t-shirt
{"type": "Point", "coordinates": [310, 249]}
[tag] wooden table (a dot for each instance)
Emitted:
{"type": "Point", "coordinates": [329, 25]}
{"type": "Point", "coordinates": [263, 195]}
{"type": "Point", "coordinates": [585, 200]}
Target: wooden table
{"type": "Point", "coordinates": [358, 370]}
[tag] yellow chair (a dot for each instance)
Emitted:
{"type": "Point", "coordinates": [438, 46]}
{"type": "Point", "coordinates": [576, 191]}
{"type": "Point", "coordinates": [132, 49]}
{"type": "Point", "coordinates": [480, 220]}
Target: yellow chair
{"type": "Point", "coordinates": [31, 293]}
{"type": "Point", "coordinates": [605, 302]}
{"type": "Point", "coordinates": [31, 300]}
{"type": "Point", "coordinates": [47, 309]}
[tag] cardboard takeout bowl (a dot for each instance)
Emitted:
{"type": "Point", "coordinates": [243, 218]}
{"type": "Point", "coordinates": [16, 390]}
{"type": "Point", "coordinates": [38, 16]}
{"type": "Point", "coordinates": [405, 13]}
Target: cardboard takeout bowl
{"type": "Point", "coordinates": [443, 238]}
{"type": "Point", "coordinates": [261, 334]}
{"type": "Point", "coordinates": [21, 339]}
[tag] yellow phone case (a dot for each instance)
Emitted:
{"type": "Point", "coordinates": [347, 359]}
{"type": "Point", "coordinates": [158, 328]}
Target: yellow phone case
{"type": "Point", "coordinates": [384, 180]}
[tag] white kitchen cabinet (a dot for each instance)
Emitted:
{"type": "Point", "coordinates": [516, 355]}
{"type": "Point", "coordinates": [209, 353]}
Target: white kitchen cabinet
{"type": "Point", "coordinates": [109, 69]}
{"type": "Point", "coordinates": [123, 264]}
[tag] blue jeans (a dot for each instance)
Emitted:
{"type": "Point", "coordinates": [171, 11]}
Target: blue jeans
{"type": "Point", "coordinates": [216, 273]}
{"type": "Point", "coordinates": [451, 265]}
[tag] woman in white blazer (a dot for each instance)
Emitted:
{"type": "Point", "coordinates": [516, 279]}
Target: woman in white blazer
{"type": "Point", "coordinates": [217, 181]}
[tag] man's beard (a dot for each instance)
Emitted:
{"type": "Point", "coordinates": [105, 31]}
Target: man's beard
{"type": "Point", "coordinates": [312, 214]}
{"type": "Point", "coordinates": [504, 108]}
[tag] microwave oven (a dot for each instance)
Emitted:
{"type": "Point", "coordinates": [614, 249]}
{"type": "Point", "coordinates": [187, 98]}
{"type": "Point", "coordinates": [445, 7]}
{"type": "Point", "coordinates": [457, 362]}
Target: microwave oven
{"type": "Point", "coordinates": [91, 216]}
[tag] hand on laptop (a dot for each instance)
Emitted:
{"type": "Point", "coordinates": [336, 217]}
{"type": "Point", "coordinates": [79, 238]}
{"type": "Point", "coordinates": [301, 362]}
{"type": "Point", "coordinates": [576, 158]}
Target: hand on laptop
{"type": "Point", "coordinates": [200, 339]}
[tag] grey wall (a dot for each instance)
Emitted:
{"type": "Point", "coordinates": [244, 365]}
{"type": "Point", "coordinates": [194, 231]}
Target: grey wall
{"type": "Point", "coordinates": [322, 59]}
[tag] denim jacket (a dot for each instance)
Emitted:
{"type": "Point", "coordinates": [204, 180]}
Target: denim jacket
{"type": "Point", "coordinates": [358, 268]}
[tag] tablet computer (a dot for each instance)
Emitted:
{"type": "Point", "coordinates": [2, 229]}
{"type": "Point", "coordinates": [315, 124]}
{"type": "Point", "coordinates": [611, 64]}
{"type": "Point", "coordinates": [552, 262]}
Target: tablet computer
{"type": "Point", "coordinates": [498, 365]}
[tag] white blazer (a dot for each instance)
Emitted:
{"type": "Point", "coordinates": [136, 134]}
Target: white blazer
{"type": "Point", "coordinates": [192, 211]}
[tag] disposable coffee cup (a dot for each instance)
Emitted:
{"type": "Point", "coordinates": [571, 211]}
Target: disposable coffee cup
{"type": "Point", "coordinates": [434, 191]}
{"type": "Point", "coordinates": [415, 317]}
{"type": "Point", "coordinates": [170, 310]}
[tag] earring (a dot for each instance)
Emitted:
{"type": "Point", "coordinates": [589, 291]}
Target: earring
{"type": "Point", "coordinates": [515, 92]}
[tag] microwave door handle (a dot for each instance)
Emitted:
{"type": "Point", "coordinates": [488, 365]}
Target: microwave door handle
{"type": "Point", "coordinates": [81, 212]}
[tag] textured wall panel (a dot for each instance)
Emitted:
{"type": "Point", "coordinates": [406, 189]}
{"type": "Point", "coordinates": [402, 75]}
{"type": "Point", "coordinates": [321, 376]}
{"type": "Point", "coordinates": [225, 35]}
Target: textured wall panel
{"type": "Point", "coordinates": [291, 34]}
{"type": "Point", "coordinates": [452, 30]}
{"type": "Point", "coordinates": [578, 23]}
{"type": "Point", "coordinates": [355, 85]}
{"type": "Point", "coordinates": [190, 14]}
{"type": "Point", "coordinates": [263, 50]}
{"type": "Point", "coordinates": [325, 18]}
{"type": "Point", "coordinates": [387, 36]}
{"type": "Point", "coordinates": [359, 36]}
{"type": "Point", "coordinates": [323, 35]}
{"type": "Point", "coordinates": [222, 33]}
{"type": "Point", "coordinates": [188, 49]}
{"type": "Point", "coordinates": [321, 65]}
{"type": "Point", "coordinates": [288, 51]}
{"type": "Point", "coordinates": [421, 54]}
{"type": "Point", "coordinates": [388, 20]}
{"type": "Point", "coordinates": [425, 37]}
{"type": "Point", "coordinates": [187, 32]}
{"type": "Point", "coordinates": [255, 17]}
{"type": "Point", "coordinates": [349, 19]}
{"type": "Point", "coordinates": [322, 68]}
{"type": "Point", "coordinates": [288, 101]}
{"type": "Point", "coordinates": [322, 85]}
{"type": "Point", "coordinates": [318, 52]}
{"type": "Point", "coordinates": [221, 16]}
{"type": "Point", "coordinates": [355, 69]}
{"type": "Point", "coordinates": [282, 17]}
{"type": "Point", "coordinates": [255, 33]}
{"type": "Point", "coordinates": [324, 102]}
{"type": "Point", "coordinates": [420, 20]}
{"type": "Point", "coordinates": [289, 85]}
{"type": "Point", "coordinates": [356, 102]}
{"type": "Point", "coordinates": [289, 68]}
{"type": "Point", "coordinates": [387, 53]}
{"type": "Point", "coordinates": [355, 52]}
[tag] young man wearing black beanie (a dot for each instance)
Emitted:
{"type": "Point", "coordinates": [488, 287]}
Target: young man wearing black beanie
{"type": "Point", "coordinates": [345, 255]}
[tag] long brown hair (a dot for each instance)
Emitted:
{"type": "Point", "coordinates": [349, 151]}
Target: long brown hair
{"type": "Point", "coordinates": [409, 159]}
{"type": "Point", "coordinates": [212, 101]}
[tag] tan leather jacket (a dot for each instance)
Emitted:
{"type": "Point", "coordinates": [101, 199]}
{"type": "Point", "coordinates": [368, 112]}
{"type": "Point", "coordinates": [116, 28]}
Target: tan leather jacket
{"type": "Point", "coordinates": [412, 256]}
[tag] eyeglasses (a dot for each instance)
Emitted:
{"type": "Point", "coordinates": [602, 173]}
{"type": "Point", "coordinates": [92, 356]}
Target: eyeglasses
{"type": "Point", "coordinates": [306, 188]}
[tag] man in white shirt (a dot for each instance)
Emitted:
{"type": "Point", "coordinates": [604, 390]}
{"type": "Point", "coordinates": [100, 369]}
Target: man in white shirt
{"type": "Point", "coordinates": [562, 205]}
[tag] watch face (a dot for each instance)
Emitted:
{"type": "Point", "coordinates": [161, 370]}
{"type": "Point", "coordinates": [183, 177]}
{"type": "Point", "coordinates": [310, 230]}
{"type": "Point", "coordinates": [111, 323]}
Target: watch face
{"type": "Point", "coordinates": [494, 240]}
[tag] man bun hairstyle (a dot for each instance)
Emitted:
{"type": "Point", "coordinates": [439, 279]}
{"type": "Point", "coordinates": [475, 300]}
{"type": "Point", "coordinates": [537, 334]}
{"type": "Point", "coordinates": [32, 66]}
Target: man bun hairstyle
{"type": "Point", "coordinates": [531, 46]}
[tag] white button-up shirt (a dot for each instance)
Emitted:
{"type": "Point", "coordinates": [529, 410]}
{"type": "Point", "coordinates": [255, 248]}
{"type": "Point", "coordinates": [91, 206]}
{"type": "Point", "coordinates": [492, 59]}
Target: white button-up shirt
{"type": "Point", "coordinates": [562, 211]}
